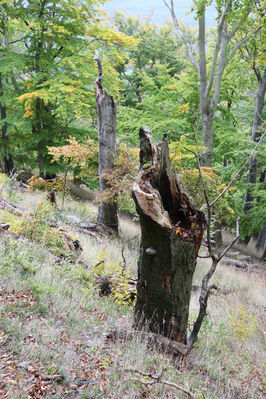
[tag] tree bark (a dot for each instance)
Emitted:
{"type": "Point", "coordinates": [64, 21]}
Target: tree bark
{"type": "Point", "coordinates": [8, 163]}
{"type": "Point", "coordinates": [172, 229]}
{"type": "Point", "coordinates": [208, 137]}
{"type": "Point", "coordinates": [217, 233]}
{"type": "Point", "coordinates": [106, 107]}
{"type": "Point", "coordinates": [255, 135]}
{"type": "Point", "coordinates": [260, 243]}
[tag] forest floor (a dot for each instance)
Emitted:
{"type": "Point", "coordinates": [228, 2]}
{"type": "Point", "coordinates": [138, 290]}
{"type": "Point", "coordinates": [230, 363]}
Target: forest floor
{"type": "Point", "coordinates": [54, 324]}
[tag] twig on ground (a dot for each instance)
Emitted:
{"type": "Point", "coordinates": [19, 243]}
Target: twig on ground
{"type": "Point", "coordinates": [123, 263]}
{"type": "Point", "coordinates": [156, 379]}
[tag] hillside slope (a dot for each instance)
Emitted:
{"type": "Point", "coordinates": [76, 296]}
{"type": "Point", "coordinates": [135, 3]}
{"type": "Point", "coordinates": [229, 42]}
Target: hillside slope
{"type": "Point", "coordinates": [54, 323]}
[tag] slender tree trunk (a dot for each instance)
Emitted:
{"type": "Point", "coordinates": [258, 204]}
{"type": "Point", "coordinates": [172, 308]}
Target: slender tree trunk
{"type": "Point", "coordinates": [37, 130]}
{"type": "Point", "coordinates": [106, 107]}
{"type": "Point", "coordinates": [8, 162]}
{"type": "Point", "coordinates": [172, 230]}
{"type": "Point", "coordinates": [255, 135]}
{"type": "Point", "coordinates": [260, 243]}
{"type": "Point", "coordinates": [217, 233]}
{"type": "Point", "coordinates": [208, 138]}
{"type": "Point", "coordinates": [41, 158]}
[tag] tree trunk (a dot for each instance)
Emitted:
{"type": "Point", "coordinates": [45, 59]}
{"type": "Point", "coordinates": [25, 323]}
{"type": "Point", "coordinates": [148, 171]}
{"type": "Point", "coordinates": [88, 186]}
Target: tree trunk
{"type": "Point", "coordinates": [8, 164]}
{"type": "Point", "coordinates": [260, 243]}
{"type": "Point", "coordinates": [217, 234]}
{"type": "Point", "coordinates": [208, 139]}
{"type": "Point", "coordinates": [172, 230]}
{"type": "Point", "coordinates": [106, 107]}
{"type": "Point", "coordinates": [255, 135]}
{"type": "Point", "coordinates": [41, 158]}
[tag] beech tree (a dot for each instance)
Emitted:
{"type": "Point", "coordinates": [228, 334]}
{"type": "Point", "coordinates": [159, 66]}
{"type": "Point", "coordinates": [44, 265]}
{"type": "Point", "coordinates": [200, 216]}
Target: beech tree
{"type": "Point", "coordinates": [252, 53]}
{"type": "Point", "coordinates": [232, 15]}
{"type": "Point", "coordinates": [6, 78]}
{"type": "Point", "coordinates": [56, 70]}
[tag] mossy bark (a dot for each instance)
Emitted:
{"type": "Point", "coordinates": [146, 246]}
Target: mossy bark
{"type": "Point", "coordinates": [172, 230]}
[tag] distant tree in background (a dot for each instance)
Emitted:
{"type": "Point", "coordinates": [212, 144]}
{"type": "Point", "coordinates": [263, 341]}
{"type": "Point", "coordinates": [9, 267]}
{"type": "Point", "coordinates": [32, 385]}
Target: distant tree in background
{"type": "Point", "coordinates": [56, 71]}
{"type": "Point", "coordinates": [232, 15]}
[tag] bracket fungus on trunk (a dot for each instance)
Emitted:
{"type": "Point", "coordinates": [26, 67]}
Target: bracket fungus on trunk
{"type": "Point", "coordinates": [172, 229]}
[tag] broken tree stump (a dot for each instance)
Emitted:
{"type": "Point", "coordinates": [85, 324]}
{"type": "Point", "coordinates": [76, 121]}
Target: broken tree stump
{"type": "Point", "coordinates": [172, 230]}
{"type": "Point", "coordinates": [106, 109]}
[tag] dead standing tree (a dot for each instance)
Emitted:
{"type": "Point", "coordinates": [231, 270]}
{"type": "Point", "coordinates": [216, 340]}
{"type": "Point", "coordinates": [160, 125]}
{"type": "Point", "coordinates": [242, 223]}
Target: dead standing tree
{"type": "Point", "coordinates": [172, 230]}
{"type": "Point", "coordinates": [106, 108]}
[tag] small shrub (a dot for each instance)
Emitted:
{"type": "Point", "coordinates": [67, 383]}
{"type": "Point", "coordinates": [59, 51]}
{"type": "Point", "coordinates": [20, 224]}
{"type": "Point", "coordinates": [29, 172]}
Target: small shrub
{"type": "Point", "coordinates": [38, 183]}
{"type": "Point", "coordinates": [119, 277]}
{"type": "Point", "coordinates": [244, 324]}
{"type": "Point", "coordinates": [16, 257]}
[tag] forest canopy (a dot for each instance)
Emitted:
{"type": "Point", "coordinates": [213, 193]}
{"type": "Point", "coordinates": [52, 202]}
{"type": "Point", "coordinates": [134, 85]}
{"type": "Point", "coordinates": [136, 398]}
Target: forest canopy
{"type": "Point", "coordinates": [202, 87]}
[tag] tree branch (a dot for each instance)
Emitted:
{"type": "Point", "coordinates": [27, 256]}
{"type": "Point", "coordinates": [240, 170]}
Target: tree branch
{"type": "Point", "coordinates": [239, 44]}
{"type": "Point", "coordinates": [156, 379]}
{"type": "Point", "coordinates": [239, 171]}
{"type": "Point", "coordinates": [232, 243]}
{"type": "Point", "coordinates": [181, 34]}
{"type": "Point", "coordinates": [216, 50]}
{"type": "Point", "coordinates": [220, 68]}
{"type": "Point", "coordinates": [209, 208]}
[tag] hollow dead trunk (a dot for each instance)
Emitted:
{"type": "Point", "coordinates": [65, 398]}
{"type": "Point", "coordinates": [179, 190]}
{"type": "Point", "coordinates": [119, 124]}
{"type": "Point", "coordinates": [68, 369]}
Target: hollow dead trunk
{"type": "Point", "coordinates": [172, 229]}
{"type": "Point", "coordinates": [106, 107]}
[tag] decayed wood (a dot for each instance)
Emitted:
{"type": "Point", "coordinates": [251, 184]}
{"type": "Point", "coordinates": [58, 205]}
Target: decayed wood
{"type": "Point", "coordinates": [236, 263]}
{"type": "Point", "coordinates": [4, 204]}
{"type": "Point", "coordinates": [106, 108]}
{"type": "Point", "coordinates": [151, 379]}
{"type": "Point", "coordinates": [163, 344]}
{"type": "Point", "coordinates": [172, 230]}
{"type": "Point", "coordinates": [4, 226]}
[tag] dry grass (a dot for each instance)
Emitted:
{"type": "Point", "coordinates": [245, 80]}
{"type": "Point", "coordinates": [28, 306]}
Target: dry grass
{"type": "Point", "coordinates": [69, 320]}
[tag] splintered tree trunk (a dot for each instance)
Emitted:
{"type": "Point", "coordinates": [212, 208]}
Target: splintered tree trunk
{"type": "Point", "coordinates": [106, 107]}
{"type": "Point", "coordinates": [172, 229]}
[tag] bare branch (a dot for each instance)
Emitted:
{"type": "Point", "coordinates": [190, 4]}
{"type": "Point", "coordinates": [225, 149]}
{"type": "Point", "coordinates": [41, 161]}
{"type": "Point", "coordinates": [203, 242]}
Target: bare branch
{"type": "Point", "coordinates": [220, 68]}
{"type": "Point", "coordinates": [232, 243]}
{"type": "Point", "coordinates": [216, 50]}
{"type": "Point", "coordinates": [156, 379]}
{"type": "Point", "coordinates": [181, 34]}
{"type": "Point", "coordinates": [209, 208]}
{"type": "Point", "coordinates": [239, 171]}
{"type": "Point", "coordinates": [235, 28]}
{"type": "Point", "coordinates": [239, 44]}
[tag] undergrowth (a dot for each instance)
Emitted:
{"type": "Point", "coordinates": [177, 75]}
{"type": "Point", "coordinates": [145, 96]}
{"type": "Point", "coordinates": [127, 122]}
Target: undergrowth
{"type": "Point", "coordinates": [53, 320]}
